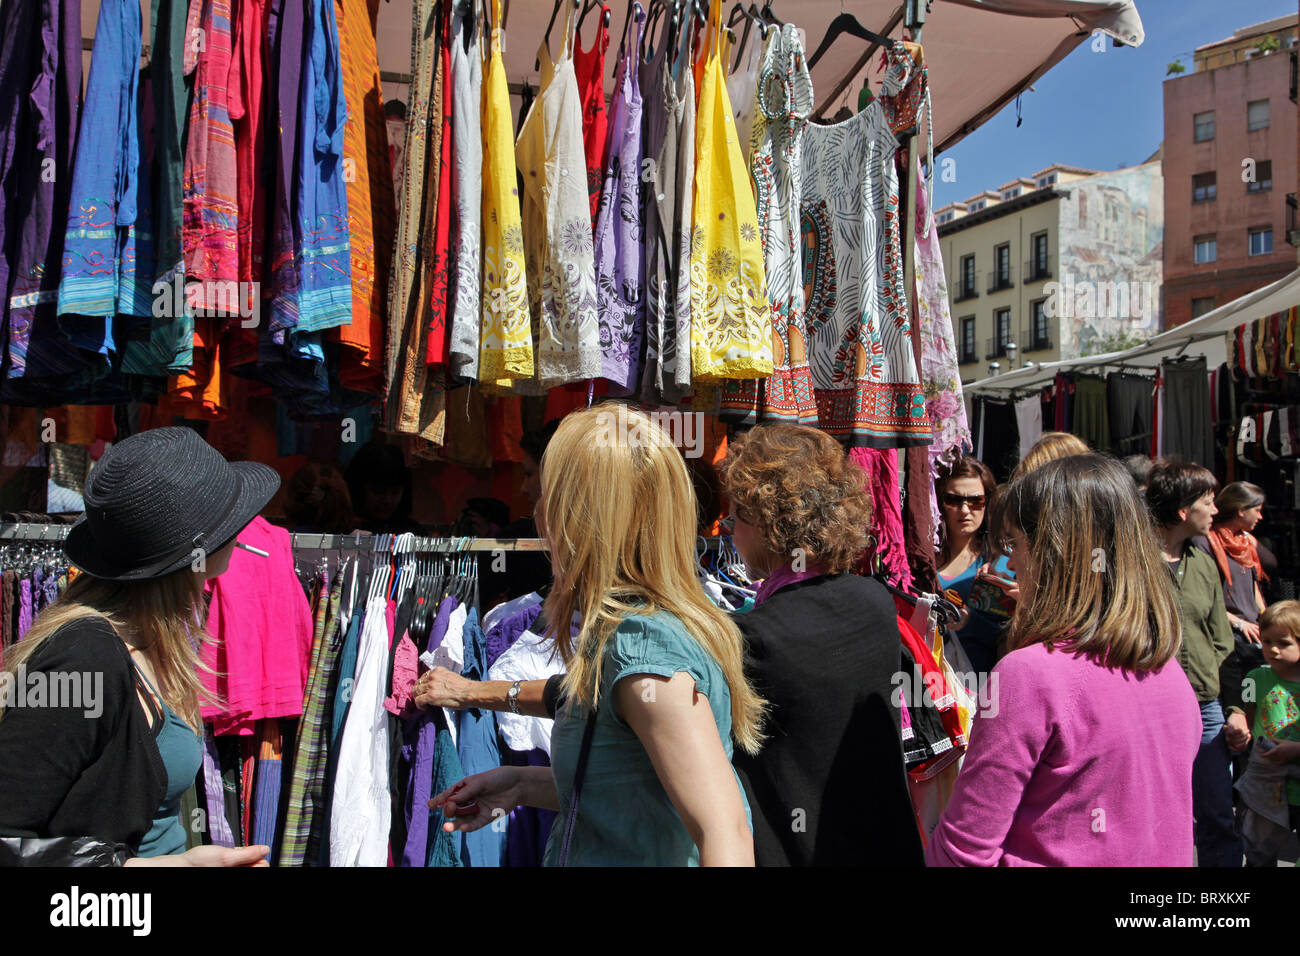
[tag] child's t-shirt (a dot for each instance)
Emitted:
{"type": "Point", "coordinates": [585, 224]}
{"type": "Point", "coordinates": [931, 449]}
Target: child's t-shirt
{"type": "Point", "coordinates": [1277, 713]}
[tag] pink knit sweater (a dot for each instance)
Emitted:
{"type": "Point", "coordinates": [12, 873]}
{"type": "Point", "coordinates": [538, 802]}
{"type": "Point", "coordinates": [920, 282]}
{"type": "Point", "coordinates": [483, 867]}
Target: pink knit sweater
{"type": "Point", "coordinates": [1074, 764]}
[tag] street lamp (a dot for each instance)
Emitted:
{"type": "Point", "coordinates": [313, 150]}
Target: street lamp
{"type": "Point", "coordinates": [1011, 355]}
{"type": "Point", "coordinates": [994, 368]}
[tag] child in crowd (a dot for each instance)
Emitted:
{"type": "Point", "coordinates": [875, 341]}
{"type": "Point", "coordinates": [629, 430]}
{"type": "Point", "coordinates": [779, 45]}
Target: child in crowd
{"type": "Point", "coordinates": [1270, 788]}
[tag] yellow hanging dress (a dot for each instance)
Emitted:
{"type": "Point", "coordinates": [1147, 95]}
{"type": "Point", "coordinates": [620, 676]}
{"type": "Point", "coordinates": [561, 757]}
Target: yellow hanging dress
{"type": "Point", "coordinates": [506, 342]}
{"type": "Point", "coordinates": [731, 327]}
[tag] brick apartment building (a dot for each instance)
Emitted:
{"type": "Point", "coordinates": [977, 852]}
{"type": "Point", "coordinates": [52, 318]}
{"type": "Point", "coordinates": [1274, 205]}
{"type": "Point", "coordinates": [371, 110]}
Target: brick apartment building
{"type": "Point", "coordinates": [1230, 165]}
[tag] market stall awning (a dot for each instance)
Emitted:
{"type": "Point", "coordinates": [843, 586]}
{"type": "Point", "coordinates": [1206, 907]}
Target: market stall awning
{"type": "Point", "coordinates": [980, 53]}
{"type": "Point", "coordinates": [1201, 336]}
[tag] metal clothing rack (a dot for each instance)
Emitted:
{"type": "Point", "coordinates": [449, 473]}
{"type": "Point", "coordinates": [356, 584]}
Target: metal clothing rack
{"type": "Point", "coordinates": [29, 531]}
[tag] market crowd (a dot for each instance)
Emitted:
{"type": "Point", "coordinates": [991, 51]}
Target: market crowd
{"type": "Point", "coordinates": [1148, 707]}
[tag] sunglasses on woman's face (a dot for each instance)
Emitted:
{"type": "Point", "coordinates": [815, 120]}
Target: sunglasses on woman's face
{"type": "Point", "coordinates": [974, 502]}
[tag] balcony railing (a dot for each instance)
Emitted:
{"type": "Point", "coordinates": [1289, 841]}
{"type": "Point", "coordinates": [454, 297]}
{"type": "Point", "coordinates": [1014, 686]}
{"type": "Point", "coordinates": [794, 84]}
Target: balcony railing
{"type": "Point", "coordinates": [1295, 75]}
{"type": "Point", "coordinates": [1292, 226]}
{"type": "Point", "coordinates": [1000, 279]}
{"type": "Point", "coordinates": [967, 356]}
{"type": "Point", "coordinates": [997, 348]}
{"type": "Point", "coordinates": [965, 289]}
{"type": "Point", "coordinates": [1036, 270]}
{"type": "Point", "coordinates": [1038, 343]}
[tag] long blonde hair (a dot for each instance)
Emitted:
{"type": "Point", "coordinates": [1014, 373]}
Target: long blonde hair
{"type": "Point", "coordinates": [619, 514]}
{"type": "Point", "coordinates": [1100, 584]}
{"type": "Point", "coordinates": [162, 616]}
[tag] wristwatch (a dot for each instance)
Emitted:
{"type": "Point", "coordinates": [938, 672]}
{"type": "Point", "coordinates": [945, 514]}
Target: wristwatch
{"type": "Point", "coordinates": [512, 697]}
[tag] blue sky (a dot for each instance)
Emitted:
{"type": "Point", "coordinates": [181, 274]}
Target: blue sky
{"type": "Point", "coordinates": [1099, 111]}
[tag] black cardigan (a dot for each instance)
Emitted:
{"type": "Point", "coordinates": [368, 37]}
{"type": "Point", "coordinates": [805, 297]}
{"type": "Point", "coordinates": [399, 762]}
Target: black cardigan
{"type": "Point", "coordinates": [65, 774]}
{"type": "Point", "coordinates": [829, 786]}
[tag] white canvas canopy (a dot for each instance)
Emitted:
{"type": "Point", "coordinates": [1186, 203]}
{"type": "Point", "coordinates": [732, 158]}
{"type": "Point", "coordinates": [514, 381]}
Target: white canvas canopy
{"type": "Point", "coordinates": [1205, 335]}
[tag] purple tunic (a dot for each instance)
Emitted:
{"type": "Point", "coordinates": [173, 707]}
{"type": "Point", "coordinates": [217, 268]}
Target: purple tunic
{"type": "Point", "coordinates": [40, 97]}
{"type": "Point", "coordinates": [619, 251]}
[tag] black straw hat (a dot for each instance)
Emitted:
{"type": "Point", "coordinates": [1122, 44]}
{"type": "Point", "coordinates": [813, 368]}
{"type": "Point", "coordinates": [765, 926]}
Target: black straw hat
{"type": "Point", "coordinates": [159, 498]}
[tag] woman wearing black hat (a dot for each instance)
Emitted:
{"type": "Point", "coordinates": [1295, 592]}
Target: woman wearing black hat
{"type": "Point", "coordinates": [92, 770]}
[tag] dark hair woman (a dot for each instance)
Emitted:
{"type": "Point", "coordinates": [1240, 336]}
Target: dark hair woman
{"type": "Point", "coordinates": [821, 646]}
{"type": "Point", "coordinates": [967, 565]}
{"type": "Point", "coordinates": [100, 782]}
{"type": "Point", "coordinates": [1180, 496]}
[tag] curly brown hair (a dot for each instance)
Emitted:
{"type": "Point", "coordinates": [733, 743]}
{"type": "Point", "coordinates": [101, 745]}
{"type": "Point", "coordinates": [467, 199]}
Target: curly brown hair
{"type": "Point", "coordinates": [798, 489]}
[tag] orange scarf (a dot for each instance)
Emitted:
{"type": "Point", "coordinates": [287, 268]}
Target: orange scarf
{"type": "Point", "coordinates": [1240, 546]}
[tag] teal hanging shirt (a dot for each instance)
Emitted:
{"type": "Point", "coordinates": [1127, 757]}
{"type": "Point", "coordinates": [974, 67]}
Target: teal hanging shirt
{"type": "Point", "coordinates": [625, 817]}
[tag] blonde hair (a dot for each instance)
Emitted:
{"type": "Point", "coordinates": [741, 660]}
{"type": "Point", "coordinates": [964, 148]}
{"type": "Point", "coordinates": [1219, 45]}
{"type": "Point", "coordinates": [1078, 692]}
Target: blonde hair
{"type": "Point", "coordinates": [1050, 447]}
{"type": "Point", "coordinates": [161, 615]}
{"type": "Point", "coordinates": [1100, 585]}
{"type": "Point", "coordinates": [1285, 614]}
{"type": "Point", "coordinates": [619, 514]}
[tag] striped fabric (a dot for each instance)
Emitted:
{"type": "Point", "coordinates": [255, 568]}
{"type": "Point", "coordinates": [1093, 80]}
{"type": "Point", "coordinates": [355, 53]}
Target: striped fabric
{"type": "Point", "coordinates": [219, 833]}
{"type": "Point", "coordinates": [211, 208]}
{"type": "Point", "coordinates": [306, 787]}
{"type": "Point", "coordinates": [266, 786]}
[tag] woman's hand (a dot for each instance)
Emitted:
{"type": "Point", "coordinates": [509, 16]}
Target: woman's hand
{"type": "Point", "coordinates": [1236, 732]}
{"type": "Point", "coordinates": [1009, 587]}
{"type": "Point", "coordinates": [1249, 631]}
{"type": "Point", "coordinates": [494, 794]}
{"type": "Point", "coordinates": [441, 687]}
{"type": "Point", "coordinates": [208, 856]}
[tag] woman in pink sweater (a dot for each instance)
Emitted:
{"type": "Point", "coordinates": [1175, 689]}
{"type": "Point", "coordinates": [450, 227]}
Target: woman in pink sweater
{"type": "Point", "coordinates": [1085, 759]}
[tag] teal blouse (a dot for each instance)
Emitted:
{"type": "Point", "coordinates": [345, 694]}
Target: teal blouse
{"type": "Point", "coordinates": [625, 817]}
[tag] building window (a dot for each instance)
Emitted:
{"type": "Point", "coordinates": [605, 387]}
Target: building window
{"type": "Point", "coordinates": [1204, 126]}
{"type": "Point", "coordinates": [1041, 340]}
{"type": "Point", "coordinates": [1002, 323]}
{"type": "Point", "coordinates": [968, 340]}
{"type": "Point", "coordinates": [1039, 241]}
{"type": "Point", "coordinates": [1204, 187]}
{"type": "Point", "coordinates": [1263, 177]}
{"type": "Point", "coordinates": [1205, 249]}
{"type": "Point", "coordinates": [966, 279]}
{"type": "Point", "coordinates": [1011, 193]}
{"type": "Point", "coordinates": [1257, 115]}
{"type": "Point", "coordinates": [1044, 181]}
{"type": "Point", "coordinates": [1201, 306]}
{"type": "Point", "coordinates": [977, 205]}
{"type": "Point", "coordinates": [1000, 277]}
{"type": "Point", "coordinates": [1261, 241]}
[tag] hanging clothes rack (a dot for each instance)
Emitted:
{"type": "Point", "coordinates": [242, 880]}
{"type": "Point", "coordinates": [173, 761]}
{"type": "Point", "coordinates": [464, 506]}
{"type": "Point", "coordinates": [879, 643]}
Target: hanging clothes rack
{"type": "Point", "coordinates": [302, 541]}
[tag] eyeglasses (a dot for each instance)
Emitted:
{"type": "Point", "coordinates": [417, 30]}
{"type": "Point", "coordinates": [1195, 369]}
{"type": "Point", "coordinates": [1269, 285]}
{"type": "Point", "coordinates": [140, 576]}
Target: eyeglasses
{"type": "Point", "coordinates": [974, 502]}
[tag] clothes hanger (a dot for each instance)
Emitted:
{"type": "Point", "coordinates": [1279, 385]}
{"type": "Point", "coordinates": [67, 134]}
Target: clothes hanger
{"type": "Point", "coordinates": [769, 16]}
{"type": "Point", "coordinates": [550, 25]}
{"type": "Point", "coordinates": [846, 23]}
{"type": "Point", "coordinates": [627, 20]}
{"type": "Point", "coordinates": [587, 8]}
